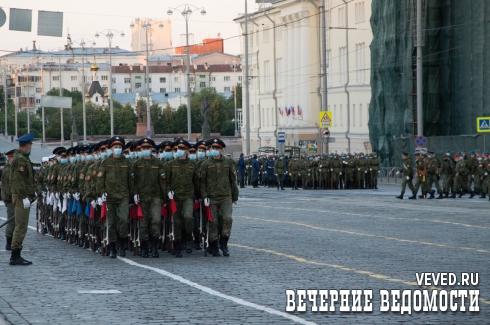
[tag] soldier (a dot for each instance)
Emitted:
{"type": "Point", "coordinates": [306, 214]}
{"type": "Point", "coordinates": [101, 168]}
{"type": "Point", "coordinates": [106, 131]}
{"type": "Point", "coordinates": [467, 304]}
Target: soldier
{"type": "Point", "coordinates": [336, 169]}
{"type": "Point", "coordinates": [361, 170]}
{"type": "Point", "coordinates": [255, 170]}
{"type": "Point", "coordinates": [447, 172]}
{"type": "Point", "coordinates": [279, 171]}
{"type": "Point", "coordinates": [421, 165]}
{"type": "Point", "coordinates": [407, 177]}
{"type": "Point", "coordinates": [374, 167]}
{"type": "Point", "coordinates": [241, 169]}
{"type": "Point", "coordinates": [149, 191]}
{"type": "Point", "coordinates": [183, 186]}
{"type": "Point", "coordinates": [479, 174]}
{"type": "Point", "coordinates": [294, 171]}
{"type": "Point", "coordinates": [7, 199]}
{"type": "Point", "coordinates": [471, 165]}
{"type": "Point", "coordinates": [22, 187]}
{"type": "Point", "coordinates": [303, 163]}
{"type": "Point", "coordinates": [219, 190]}
{"type": "Point", "coordinates": [433, 175]}
{"type": "Point", "coordinates": [313, 170]}
{"type": "Point", "coordinates": [459, 178]}
{"type": "Point", "coordinates": [114, 182]}
{"type": "Point", "coordinates": [486, 179]}
{"type": "Point", "coordinates": [323, 172]}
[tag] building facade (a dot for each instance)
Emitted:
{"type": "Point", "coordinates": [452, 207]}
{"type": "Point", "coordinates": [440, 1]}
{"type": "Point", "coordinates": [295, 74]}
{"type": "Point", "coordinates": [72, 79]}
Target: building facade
{"type": "Point", "coordinates": [285, 73]}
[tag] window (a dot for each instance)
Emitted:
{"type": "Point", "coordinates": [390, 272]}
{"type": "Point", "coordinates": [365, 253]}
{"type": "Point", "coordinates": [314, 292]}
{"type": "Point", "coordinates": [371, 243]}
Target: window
{"type": "Point", "coordinates": [127, 90]}
{"type": "Point", "coordinates": [213, 78]}
{"type": "Point", "coordinates": [343, 65]}
{"type": "Point", "coordinates": [74, 88]}
{"type": "Point", "coordinates": [202, 84]}
{"type": "Point", "coordinates": [341, 17]}
{"type": "Point", "coordinates": [104, 78]}
{"type": "Point", "coordinates": [113, 80]}
{"type": "Point", "coordinates": [227, 89]}
{"type": "Point", "coordinates": [74, 78]}
{"type": "Point", "coordinates": [163, 80]}
{"type": "Point", "coordinates": [192, 78]}
{"type": "Point", "coordinates": [137, 77]}
{"type": "Point", "coordinates": [360, 14]}
{"type": "Point", "coordinates": [148, 81]}
{"type": "Point", "coordinates": [127, 80]}
{"type": "Point", "coordinates": [38, 90]}
{"type": "Point", "coordinates": [329, 68]}
{"type": "Point", "coordinates": [360, 61]}
{"type": "Point", "coordinates": [239, 78]}
{"type": "Point", "coordinates": [177, 79]}
{"type": "Point", "coordinates": [227, 78]}
{"type": "Point", "coordinates": [202, 76]}
{"type": "Point", "coordinates": [267, 76]}
{"type": "Point", "coordinates": [266, 34]}
{"type": "Point", "coordinates": [278, 73]}
{"type": "Point", "coordinates": [38, 100]}
{"type": "Point", "coordinates": [56, 78]}
{"type": "Point", "coordinates": [163, 90]}
{"type": "Point", "coordinates": [137, 85]}
{"type": "Point", "coordinates": [177, 90]}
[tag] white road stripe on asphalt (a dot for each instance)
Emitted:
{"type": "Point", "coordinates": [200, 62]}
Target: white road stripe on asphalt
{"type": "Point", "coordinates": [213, 292]}
{"type": "Point", "coordinates": [30, 227]}
{"type": "Point", "coordinates": [99, 291]}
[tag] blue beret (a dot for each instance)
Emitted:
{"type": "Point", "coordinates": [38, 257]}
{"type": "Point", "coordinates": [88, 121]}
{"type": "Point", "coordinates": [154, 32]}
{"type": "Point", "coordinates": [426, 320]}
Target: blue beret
{"type": "Point", "coordinates": [459, 153]}
{"type": "Point", "coordinates": [431, 152]}
{"type": "Point", "coordinates": [26, 138]}
{"type": "Point", "coordinates": [472, 152]}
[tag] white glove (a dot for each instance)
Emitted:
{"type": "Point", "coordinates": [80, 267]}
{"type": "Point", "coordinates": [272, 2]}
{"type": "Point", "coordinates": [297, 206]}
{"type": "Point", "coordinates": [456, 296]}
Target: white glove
{"type": "Point", "coordinates": [486, 174]}
{"type": "Point", "coordinates": [44, 194]}
{"type": "Point", "coordinates": [285, 173]}
{"type": "Point", "coordinates": [407, 178]}
{"type": "Point", "coordinates": [93, 204]}
{"type": "Point", "coordinates": [77, 196]}
{"type": "Point", "coordinates": [68, 195]}
{"type": "Point", "coordinates": [370, 169]}
{"type": "Point", "coordinates": [365, 172]}
{"type": "Point", "coordinates": [345, 163]}
{"type": "Point", "coordinates": [340, 173]}
{"type": "Point", "coordinates": [136, 199]}
{"type": "Point", "coordinates": [104, 197]}
{"type": "Point", "coordinates": [57, 195]}
{"type": "Point", "coordinates": [299, 174]}
{"type": "Point", "coordinates": [472, 176]}
{"type": "Point", "coordinates": [320, 166]}
{"type": "Point", "coordinates": [290, 174]}
{"type": "Point", "coordinates": [99, 201]}
{"type": "Point", "coordinates": [397, 173]}
{"type": "Point", "coordinates": [27, 203]}
{"type": "Point", "coordinates": [171, 195]}
{"type": "Point", "coordinates": [275, 174]}
{"type": "Point", "coordinates": [359, 169]}
{"type": "Point", "coordinates": [308, 174]}
{"type": "Point", "coordinates": [331, 169]}
{"type": "Point", "coordinates": [309, 170]}
{"type": "Point", "coordinates": [206, 202]}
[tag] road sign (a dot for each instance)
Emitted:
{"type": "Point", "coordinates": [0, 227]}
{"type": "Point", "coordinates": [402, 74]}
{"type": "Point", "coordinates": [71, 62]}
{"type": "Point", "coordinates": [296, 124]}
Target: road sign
{"type": "Point", "coordinates": [326, 133]}
{"type": "Point", "coordinates": [148, 133]}
{"type": "Point", "coordinates": [483, 124]}
{"type": "Point", "coordinates": [421, 141]}
{"type": "Point", "coordinates": [325, 119]}
{"type": "Point", "coordinates": [281, 137]}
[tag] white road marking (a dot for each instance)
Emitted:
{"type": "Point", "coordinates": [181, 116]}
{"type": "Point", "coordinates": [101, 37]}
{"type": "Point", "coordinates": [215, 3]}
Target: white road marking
{"type": "Point", "coordinates": [213, 292]}
{"type": "Point", "coordinates": [99, 291]}
{"type": "Point", "coordinates": [30, 227]}
{"type": "Point", "coordinates": [2, 204]}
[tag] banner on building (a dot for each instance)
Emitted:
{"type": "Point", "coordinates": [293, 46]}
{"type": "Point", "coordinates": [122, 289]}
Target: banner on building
{"type": "Point", "coordinates": [20, 20]}
{"type": "Point", "coordinates": [50, 23]}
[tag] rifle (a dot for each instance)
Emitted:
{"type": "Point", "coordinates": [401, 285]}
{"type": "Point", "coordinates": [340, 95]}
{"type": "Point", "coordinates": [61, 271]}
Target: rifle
{"type": "Point", "coordinates": [171, 235]}
{"type": "Point", "coordinates": [37, 218]}
{"type": "Point", "coordinates": [9, 220]}
{"type": "Point", "coordinates": [206, 238]}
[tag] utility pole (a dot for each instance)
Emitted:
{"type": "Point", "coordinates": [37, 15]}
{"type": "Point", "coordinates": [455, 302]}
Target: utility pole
{"type": "Point", "coordinates": [420, 89]}
{"type": "Point", "coordinates": [324, 63]}
{"type": "Point", "coordinates": [247, 82]}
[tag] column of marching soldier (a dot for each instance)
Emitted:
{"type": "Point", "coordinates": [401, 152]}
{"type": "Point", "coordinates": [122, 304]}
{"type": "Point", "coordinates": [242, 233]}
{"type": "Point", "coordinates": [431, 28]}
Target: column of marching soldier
{"type": "Point", "coordinates": [460, 174]}
{"type": "Point", "coordinates": [316, 172]}
{"type": "Point", "coordinates": [113, 196]}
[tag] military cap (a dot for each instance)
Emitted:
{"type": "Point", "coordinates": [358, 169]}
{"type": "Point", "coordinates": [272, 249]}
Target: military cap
{"type": "Point", "coordinates": [472, 152]}
{"type": "Point", "coordinates": [146, 142]}
{"type": "Point", "coordinates": [430, 152]}
{"type": "Point", "coordinates": [241, 155]}
{"type": "Point", "coordinates": [477, 150]}
{"type": "Point", "coordinates": [44, 159]}
{"type": "Point", "coordinates": [26, 138]}
{"type": "Point", "coordinates": [456, 156]}
{"type": "Point", "coordinates": [57, 150]}
{"type": "Point", "coordinates": [101, 145]}
{"type": "Point", "coordinates": [201, 144]}
{"type": "Point", "coordinates": [181, 144]}
{"type": "Point", "coordinates": [70, 151]}
{"type": "Point", "coordinates": [485, 152]}
{"type": "Point", "coordinates": [94, 147]}
{"type": "Point", "coordinates": [229, 155]}
{"type": "Point", "coordinates": [416, 153]}
{"type": "Point", "coordinates": [52, 157]}
{"type": "Point", "coordinates": [459, 153]}
{"type": "Point", "coordinates": [117, 140]}
{"type": "Point", "coordinates": [166, 145]}
{"type": "Point", "coordinates": [463, 150]}
{"type": "Point", "coordinates": [216, 143]}
{"type": "Point", "coordinates": [193, 148]}
{"type": "Point", "coordinates": [128, 145]}
{"type": "Point", "coordinates": [10, 153]}
{"type": "Point", "coordinates": [134, 145]}
{"type": "Point", "coordinates": [84, 149]}
{"type": "Point", "coordinates": [404, 153]}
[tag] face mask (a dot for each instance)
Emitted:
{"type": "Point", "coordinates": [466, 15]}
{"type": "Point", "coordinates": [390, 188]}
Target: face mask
{"type": "Point", "coordinates": [180, 153]}
{"type": "Point", "coordinates": [131, 155]}
{"type": "Point", "coordinates": [96, 157]}
{"type": "Point", "coordinates": [146, 153]}
{"type": "Point", "coordinates": [59, 159]}
{"type": "Point", "coordinates": [175, 155]}
{"type": "Point", "coordinates": [73, 160]}
{"type": "Point", "coordinates": [117, 152]}
{"type": "Point", "coordinates": [138, 154]}
{"type": "Point", "coordinates": [167, 155]}
{"type": "Point", "coordinates": [103, 155]}
{"type": "Point", "coordinates": [154, 155]}
{"type": "Point", "coordinates": [192, 157]}
{"type": "Point", "coordinates": [160, 155]}
{"type": "Point", "coordinates": [310, 158]}
{"type": "Point", "coordinates": [64, 161]}
{"type": "Point", "coordinates": [109, 152]}
{"type": "Point", "coordinates": [82, 158]}
{"type": "Point", "coordinates": [208, 153]}
{"type": "Point", "coordinates": [90, 158]}
{"type": "Point", "coordinates": [78, 157]}
{"type": "Point", "coordinates": [201, 155]}
{"type": "Point", "coordinates": [215, 153]}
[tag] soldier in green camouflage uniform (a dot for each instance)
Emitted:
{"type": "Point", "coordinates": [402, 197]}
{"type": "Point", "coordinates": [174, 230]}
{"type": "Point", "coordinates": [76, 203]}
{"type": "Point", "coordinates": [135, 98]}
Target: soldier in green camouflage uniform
{"type": "Point", "coordinates": [374, 167]}
{"type": "Point", "coordinates": [303, 163]}
{"type": "Point", "coordinates": [150, 192]}
{"type": "Point", "coordinates": [7, 199]}
{"type": "Point", "coordinates": [336, 169]}
{"type": "Point", "coordinates": [313, 171]}
{"type": "Point", "coordinates": [219, 191]}
{"type": "Point", "coordinates": [323, 172]}
{"type": "Point", "coordinates": [421, 165]}
{"type": "Point", "coordinates": [447, 171]}
{"type": "Point", "coordinates": [279, 172]}
{"type": "Point", "coordinates": [407, 177]}
{"type": "Point", "coordinates": [294, 171]}
{"type": "Point", "coordinates": [114, 182]}
{"type": "Point", "coordinates": [459, 179]}
{"type": "Point", "coordinates": [433, 175]}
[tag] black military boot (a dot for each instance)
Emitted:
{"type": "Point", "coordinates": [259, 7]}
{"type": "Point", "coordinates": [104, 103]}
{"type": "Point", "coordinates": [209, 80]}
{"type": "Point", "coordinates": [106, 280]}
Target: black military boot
{"type": "Point", "coordinates": [472, 195]}
{"type": "Point", "coordinates": [177, 249]}
{"type": "Point", "coordinates": [188, 248]}
{"type": "Point", "coordinates": [8, 246]}
{"type": "Point", "coordinates": [483, 195]}
{"type": "Point", "coordinates": [224, 245]}
{"type": "Point", "coordinates": [413, 197]}
{"type": "Point", "coordinates": [213, 248]}
{"type": "Point", "coordinates": [401, 196]}
{"type": "Point", "coordinates": [460, 194]}
{"type": "Point", "coordinates": [112, 250]}
{"type": "Point", "coordinates": [440, 196]}
{"type": "Point", "coordinates": [295, 187]}
{"type": "Point", "coordinates": [16, 259]}
{"type": "Point", "coordinates": [144, 249]}
{"type": "Point", "coordinates": [446, 195]}
{"type": "Point", "coordinates": [121, 252]}
{"type": "Point", "coordinates": [432, 195]}
{"type": "Point", "coordinates": [62, 236]}
{"type": "Point", "coordinates": [81, 241]}
{"type": "Point", "coordinates": [453, 196]}
{"type": "Point", "coordinates": [197, 241]}
{"type": "Point", "coordinates": [154, 251]}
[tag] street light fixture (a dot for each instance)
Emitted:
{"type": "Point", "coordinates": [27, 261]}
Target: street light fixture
{"type": "Point", "coordinates": [109, 33]}
{"type": "Point", "coordinates": [146, 25]}
{"type": "Point", "coordinates": [186, 13]}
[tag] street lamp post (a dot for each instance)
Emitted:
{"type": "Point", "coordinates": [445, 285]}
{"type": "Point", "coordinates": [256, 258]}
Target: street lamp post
{"type": "Point", "coordinates": [186, 13]}
{"type": "Point", "coordinates": [109, 33]}
{"type": "Point", "coordinates": [234, 67]}
{"type": "Point", "coordinates": [146, 25]}
{"type": "Point", "coordinates": [81, 42]}
{"type": "Point", "coordinates": [60, 95]}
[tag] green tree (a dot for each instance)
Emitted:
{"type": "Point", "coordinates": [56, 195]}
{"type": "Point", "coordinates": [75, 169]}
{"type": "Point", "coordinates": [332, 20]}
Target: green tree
{"type": "Point", "coordinates": [124, 119]}
{"type": "Point", "coordinates": [168, 120]}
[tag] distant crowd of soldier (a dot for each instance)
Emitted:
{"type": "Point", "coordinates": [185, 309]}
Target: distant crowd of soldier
{"type": "Point", "coordinates": [114, 196]}
{"type": "Point", "coordinates": [460, 174]}
{"type": "Point", "coordinates": [310, 172]}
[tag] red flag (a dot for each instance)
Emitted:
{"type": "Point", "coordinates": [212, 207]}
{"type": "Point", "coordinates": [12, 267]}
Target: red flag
{"type": "Point", "coordinates": [103, 212]}
{"type": "Point", "coordinates": [139, 213]}
{"type": "Point", "coordinates": [173, 207]}
{"type": "Point", "coordinates": [133, 212]}
{"type": "Point", "coordinates": [207, 210]}
{"type": "Point", "coordinates": [196, 205]}
{"type": "Point", "coordinates": [164, 212]}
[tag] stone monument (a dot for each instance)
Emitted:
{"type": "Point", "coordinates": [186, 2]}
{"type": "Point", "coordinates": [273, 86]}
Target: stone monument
{"type": "Point", "coordinates": [141, 127]}
{"type": "Point", "coordinates": [205, 110]}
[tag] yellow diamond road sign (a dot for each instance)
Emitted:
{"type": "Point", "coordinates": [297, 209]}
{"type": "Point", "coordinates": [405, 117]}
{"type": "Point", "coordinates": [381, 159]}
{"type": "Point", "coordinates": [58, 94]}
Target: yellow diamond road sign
{"type": "Point", "coordinates": [326, 119]}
